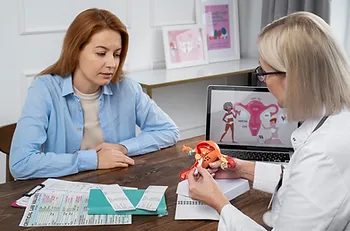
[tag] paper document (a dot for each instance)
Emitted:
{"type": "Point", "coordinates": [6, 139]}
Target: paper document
{"type": "Point", "coordinates": [151, 198]}
{"type": "Point", "coordinates": [65, 209]}
{"type": "Point", "coordinates": [117, 198]}
{"type": "Point", "coordinates": [232, 188]}
{"type": "Point", "coordinates": [54, 185]}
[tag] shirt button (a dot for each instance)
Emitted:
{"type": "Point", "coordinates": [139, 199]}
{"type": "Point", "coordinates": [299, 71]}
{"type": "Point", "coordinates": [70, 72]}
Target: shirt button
{"type": "Point", "coordinates": [294, 139]}
{"type": "Point", "coordinates": [74, 151]}
{"type": "Point", "coordinates": [80, 129]}
{"type": "Point", "coordinates": [79, 109]}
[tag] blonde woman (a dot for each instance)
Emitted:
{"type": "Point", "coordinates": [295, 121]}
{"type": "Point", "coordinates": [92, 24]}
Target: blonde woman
{"type": "Point", "coordinates": [308, 73]}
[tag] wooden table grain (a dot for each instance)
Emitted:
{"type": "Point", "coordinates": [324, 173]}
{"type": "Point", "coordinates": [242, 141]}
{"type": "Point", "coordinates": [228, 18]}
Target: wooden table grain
{"type": "Point", "coordinates": [158, 168]}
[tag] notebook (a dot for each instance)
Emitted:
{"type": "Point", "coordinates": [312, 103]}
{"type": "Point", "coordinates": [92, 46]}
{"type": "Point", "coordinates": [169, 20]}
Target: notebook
{"type": "Point", "coordinates": [247, 123]}
{"type": "Point", "coordinates": [98, 204]}
{"type": "Point", "coordinates": [188, 209]}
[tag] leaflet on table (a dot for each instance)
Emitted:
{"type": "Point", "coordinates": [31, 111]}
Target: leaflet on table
{"type": "Point", "coordinates": [151, 197]}
{"type": "Point", "coordinates": [117, 198]}
{"type": "Point", "coordinates": [120, 202]}
{"type": "Point", "coordinates": [65, 209]}
{"type": "Point", "coordinates": [59, 185]}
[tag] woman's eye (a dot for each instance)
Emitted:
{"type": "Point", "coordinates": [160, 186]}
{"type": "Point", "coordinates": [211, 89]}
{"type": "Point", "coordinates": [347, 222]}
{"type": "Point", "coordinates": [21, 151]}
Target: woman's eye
{"type": "Point", "coordinates": [101, 54]}
{"type": "Point", "coordinates": [116, 55]}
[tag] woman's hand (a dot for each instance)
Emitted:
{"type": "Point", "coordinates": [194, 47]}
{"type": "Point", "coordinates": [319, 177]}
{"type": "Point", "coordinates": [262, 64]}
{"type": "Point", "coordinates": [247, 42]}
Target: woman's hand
{"type": "Point", "coordinates": [118, 147]}
{"type": "Point", "coordinates": [112, 156]}
{"type": "Point", "coordinates": [243, 169]}
{"type": "Point", "coordinates": [205, 189]}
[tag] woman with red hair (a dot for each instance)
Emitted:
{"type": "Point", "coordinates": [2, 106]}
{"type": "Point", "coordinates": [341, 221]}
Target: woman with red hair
{"type": "Point", "coordinates": [80, 113]}
{"type": "Point", "coordinates": [274, 132]}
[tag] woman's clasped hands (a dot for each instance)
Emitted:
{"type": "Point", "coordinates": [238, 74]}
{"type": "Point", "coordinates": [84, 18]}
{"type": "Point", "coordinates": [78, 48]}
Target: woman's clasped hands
{"type": "Point", "coordinates": [112, 156]}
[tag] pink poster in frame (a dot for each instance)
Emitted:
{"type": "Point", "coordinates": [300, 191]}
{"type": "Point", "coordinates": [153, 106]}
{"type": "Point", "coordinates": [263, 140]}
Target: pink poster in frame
{"type": "Point", "coordinates": [184, 46]}
{"type": "Point", "coordinates": [218, 26]}
{"type": "Point", "coordinates": [220, 19]}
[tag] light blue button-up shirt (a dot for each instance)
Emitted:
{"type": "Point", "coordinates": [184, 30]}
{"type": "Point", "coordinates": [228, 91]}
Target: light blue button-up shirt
{"type": "Point", "coordinates": [49, 132]}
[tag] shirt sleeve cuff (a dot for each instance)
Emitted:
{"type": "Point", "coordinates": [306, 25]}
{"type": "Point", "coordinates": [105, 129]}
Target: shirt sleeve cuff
{"type": "Point", "coordinates": [87, 160]}
{"type": "Point", "coordinates": [266, 176]}
{"type": "Point", "coordinates": [132, 145]}
{"type": "Point", "coordinates": [230, 217]}
{"type": "Point", "coordinates": [227, 209]}
{"type": "Point", "coordinates": [233, 219]}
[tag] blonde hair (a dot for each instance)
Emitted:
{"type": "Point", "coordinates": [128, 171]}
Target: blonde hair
{"type": "Point", "coordinates": [317, 71]}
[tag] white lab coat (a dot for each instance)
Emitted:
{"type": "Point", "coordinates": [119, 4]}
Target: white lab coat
{"type": "Point", "coordinates": [315, 194]}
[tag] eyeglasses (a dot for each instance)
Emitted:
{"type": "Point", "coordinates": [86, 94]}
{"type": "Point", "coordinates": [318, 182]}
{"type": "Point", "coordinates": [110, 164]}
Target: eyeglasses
{"type": "Point", "coordinates": [261, 74]}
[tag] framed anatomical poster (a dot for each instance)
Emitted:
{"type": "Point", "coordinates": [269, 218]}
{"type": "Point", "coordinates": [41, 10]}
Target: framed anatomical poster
{"type": "Point", "coordinates": [184, 46]}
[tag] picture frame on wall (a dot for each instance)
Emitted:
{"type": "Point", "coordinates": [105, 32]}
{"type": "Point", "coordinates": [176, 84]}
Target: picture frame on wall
{"type": "Point", "coordinates": [184, 46]}
{"type": "Point", "coordinates": [221, 22]}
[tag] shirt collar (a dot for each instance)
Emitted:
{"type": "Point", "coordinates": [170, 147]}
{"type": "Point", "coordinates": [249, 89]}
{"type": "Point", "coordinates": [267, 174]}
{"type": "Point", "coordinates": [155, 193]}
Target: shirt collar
{"type": "Point", "coordinates": [107, 90]}
{"type": "Point", "coordinates": [301, 134]}
{"type": "Point", "coordinates": [67, 87]}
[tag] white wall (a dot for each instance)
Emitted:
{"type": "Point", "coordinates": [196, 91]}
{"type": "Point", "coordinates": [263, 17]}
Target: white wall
{"type": "Point", "coordinates": [34, 37]}
{"type": "Point", "coordinates": [9, 78]}
{"type": "Point", "coordinates": [249, 25]}
{"type": "Point", "coordinates": [339, 19]}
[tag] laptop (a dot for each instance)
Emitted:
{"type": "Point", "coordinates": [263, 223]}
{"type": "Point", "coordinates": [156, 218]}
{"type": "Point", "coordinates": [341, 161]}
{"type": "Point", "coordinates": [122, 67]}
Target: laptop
{"type": "Point", "coordinates": [247, 123]}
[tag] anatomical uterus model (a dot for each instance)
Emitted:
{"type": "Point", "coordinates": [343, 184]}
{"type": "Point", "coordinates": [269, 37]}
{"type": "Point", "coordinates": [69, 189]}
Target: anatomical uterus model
{"type": "Point", "coordinates": [255, 108]}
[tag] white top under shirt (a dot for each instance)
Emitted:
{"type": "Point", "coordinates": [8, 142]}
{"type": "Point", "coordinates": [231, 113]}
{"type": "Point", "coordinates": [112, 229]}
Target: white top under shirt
{"type": "Point", "coordinates": [315, 194]}
{"type": "Point", "coordinates": [92, 135]}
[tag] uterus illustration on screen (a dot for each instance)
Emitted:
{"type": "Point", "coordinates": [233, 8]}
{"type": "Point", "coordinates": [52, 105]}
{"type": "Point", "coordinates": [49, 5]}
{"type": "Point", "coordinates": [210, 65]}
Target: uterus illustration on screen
{"type": "Point", "coordinates": [255, 108]}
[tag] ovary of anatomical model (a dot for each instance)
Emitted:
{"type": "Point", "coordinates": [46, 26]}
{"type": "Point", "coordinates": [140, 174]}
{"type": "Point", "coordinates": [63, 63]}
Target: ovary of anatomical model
{"type": "Point", "coordinates": [255, 108]}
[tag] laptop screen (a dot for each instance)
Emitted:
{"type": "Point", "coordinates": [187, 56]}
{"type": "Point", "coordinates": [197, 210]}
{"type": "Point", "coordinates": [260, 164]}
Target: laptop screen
{"type": "Point", "coordinates": [246, 116]}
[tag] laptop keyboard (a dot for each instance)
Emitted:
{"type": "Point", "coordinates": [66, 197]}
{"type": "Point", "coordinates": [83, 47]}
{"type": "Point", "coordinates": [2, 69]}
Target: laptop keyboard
{"type": "Point", "coordinates": [258, 156]}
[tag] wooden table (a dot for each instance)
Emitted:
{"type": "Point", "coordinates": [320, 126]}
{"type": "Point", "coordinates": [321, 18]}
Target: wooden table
{"type": "Point", "coordinates": [161, 168]}
{"type": "Point", "coordinates": [151, 79]}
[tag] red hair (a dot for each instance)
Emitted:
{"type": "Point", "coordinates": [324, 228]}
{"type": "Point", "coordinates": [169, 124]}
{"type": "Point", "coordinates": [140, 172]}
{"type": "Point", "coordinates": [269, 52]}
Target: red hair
{"type": "Point", "coordinates": [79, 33]}
{"type": "Point", "coordinates": [273, 120]}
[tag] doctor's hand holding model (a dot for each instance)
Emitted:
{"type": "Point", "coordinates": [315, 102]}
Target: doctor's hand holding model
{"type": "Point", "coordinates": [308, 73]}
